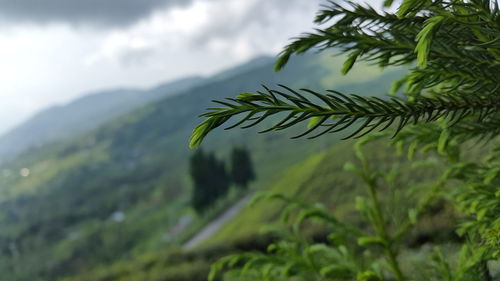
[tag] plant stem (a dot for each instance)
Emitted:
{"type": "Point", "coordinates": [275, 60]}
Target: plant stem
{"type": "Point", "coordinates": [382, 232]}
{"type": "Point", "coordinates": [379, 223]}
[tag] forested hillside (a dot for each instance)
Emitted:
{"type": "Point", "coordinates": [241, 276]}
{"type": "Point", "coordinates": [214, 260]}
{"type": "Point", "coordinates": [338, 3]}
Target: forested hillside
{"type": "Point", "coordinates": [115, 192]}
{"type": "Point", "coordinates": [319, 180]}
{"type": "Point", "coordinates": [83, 114]}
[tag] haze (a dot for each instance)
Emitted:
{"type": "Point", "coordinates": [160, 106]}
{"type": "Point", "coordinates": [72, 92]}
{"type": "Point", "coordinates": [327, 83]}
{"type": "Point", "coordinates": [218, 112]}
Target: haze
{"type": "Point", "coordinates": [54, 51]}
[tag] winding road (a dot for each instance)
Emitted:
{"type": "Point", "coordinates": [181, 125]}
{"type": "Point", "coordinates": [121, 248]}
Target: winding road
{"type": "Point", "coordinates": [211, 228]}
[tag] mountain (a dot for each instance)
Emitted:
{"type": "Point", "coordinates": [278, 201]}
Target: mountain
{"type": "Point", "coordinates": [245, 67]}
{"type": "Point", "coordinates": [83, 114]}
{"type": "Point", "coordinates": [115, 192]}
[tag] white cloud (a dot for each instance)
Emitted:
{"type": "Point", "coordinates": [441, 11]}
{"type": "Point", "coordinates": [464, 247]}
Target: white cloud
{"type": "Point", "coordinates": [234, 28]}
{"type": "Point", "coordinates": [53, 64]}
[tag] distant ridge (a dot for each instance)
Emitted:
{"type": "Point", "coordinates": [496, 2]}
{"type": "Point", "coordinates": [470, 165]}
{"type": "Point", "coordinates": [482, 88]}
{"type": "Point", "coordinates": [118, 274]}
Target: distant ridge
{"type": "Point", "coordinates": [240, 69]}
{"type": "Point", "coordinates": [94, 109]}
{"type": "Point", "coordinates": [83, 114]}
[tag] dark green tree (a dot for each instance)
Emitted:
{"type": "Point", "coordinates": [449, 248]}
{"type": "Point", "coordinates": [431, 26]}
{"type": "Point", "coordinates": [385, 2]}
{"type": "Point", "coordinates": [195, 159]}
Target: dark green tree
{"type": "Point", "coordinates": [210, 180]}
{"type": "Point", "coordinates": [450, 98]}
{"type": "Point", "coordinates": [242, 172]}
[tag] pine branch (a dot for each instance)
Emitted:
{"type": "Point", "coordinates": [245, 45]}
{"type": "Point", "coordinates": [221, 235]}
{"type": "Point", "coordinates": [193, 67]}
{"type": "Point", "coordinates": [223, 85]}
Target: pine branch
{"type": "Point", "coordinates": [451, 40]}
{"type": "Point", "coordinates": [456, 45]}
{"type": "Point", "coordinates": [334, 112]}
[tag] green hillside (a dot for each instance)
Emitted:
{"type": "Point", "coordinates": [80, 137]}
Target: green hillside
{"type": "Point", "coordinates": [319, 178]}
{"type": "Point", "coordinates": [85, 113]}
{"type": "Point", "coordinates": [322, 178]}
{"type": "Point", "coordinates": [115, 193]}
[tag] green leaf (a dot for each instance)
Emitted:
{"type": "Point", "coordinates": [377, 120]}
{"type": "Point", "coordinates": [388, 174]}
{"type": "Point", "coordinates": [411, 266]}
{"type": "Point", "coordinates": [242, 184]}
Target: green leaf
{"type": "Point", "coordinates": [365, 241]}
{"type": "Point", "coordinates": [396, 86]}
{"type": "Point", "coordinates": [351, 59]}
{"type": "Point", "coordinates": [248, 97]}
{"type": "Point", "coordinates": [443, 141]}
{"type": "Point", "coordinates": [335, 239]}
{"type": "Point", "coordinates": [424, 39]}
{"type": "Point", "coordinates": [335, 270]}
{"type": "Point", "coordinates": [407, 6]}
{"type": "Point", "coordinates": [281, 61]}
{"type": "Point", "coordinates": [481, 213]}
{"type": "Point", "coordinates": [285, 214]}
{"type": "Point", "coordinates": [491, 175]}
{"type": "Point", "coordinates": [313, 121]}
{"type": "Point", "coordinates": [199, 132]}
{"type": "Point", "coordinates": [368, 276]}
{"type": "Point", "coordinates": [272, 248]}
{"type": "Point", "coordinates": [411, 149]}
{"type": "Point", "coordinates": [400, 147]}
{"type": "Point", "coordinates": [388, 3]}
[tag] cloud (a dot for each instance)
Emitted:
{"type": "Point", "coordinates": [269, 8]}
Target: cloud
{"type": "Point", "coordinates": [163, 42]}
{"type": "Point", "coordinates": [259, 26]}
{"type": "Point", "coordinates": [83, 12]}
{"type": "Point", "coordinates": [250, 14]}
{"type": "Point", "coordinates": [237, 29]}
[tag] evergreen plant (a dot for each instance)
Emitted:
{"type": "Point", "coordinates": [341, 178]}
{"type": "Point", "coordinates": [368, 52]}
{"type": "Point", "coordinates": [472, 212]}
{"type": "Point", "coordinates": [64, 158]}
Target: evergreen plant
{"type": "Point", "coordinates": [447, 103]}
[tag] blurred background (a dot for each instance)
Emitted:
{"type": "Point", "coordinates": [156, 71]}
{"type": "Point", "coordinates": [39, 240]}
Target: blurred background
{"type": "Point", "coordinates": [98, 101]}
{"type": "Point", "coordinates": [54, 51]}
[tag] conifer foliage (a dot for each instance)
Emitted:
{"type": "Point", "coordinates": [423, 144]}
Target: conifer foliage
{"type": "Point", "coordinates": [448, 101]}
{"type": "Point", "coordinates": [210, 179]}
{"type": "Point", "coordinates": [242, 172]}
{"type": "Point", "coordinates": [455, 45]}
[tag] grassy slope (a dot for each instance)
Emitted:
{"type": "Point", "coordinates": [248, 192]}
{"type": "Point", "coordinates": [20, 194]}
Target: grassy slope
{"type": "Point", "coordinates": [321, 179]}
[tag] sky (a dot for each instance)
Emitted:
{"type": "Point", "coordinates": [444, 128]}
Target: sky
{"type": "Point", "coordinates": [54, 51]}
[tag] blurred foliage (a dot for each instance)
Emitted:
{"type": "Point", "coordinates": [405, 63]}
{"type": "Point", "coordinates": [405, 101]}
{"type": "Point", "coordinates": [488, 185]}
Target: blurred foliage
{"type": "Point", "coordinates": [241, 167]}
{"type": "Point", "coordinates": [210, 180]}
{"type": "Point", "coordinates": [450, 100]}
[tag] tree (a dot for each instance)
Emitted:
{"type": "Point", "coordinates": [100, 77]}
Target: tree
{"type": "Point", "coordinates": [241, 167]}
{"type": "Point", "coordinates": [451, 96]}
{"type": "Point", "coordinates": [210, 179]}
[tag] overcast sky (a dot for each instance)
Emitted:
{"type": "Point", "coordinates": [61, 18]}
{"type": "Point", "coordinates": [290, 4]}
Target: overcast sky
{"type": "Point", "coordinates": [53, 51]}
